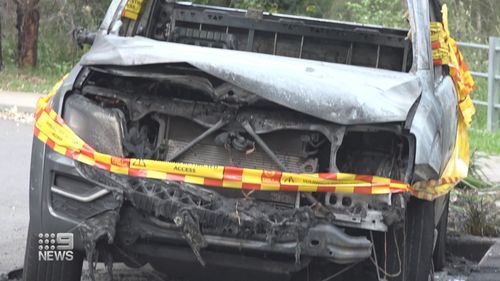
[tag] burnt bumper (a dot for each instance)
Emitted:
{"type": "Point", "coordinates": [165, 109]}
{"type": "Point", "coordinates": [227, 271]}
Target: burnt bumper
{"type": "Point", "coordinates": [162, 213]}
{"type": "Point", "coordinates": [328, 241]}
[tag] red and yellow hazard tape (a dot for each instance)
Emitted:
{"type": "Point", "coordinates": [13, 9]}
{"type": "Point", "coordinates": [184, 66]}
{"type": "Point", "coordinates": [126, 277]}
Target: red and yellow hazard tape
{"type": "Point", "coordinates": [51, 129]}
{"type": "Point", "coordinates": [445, 52]}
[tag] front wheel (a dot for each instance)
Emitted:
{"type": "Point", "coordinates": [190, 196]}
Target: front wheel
{"type": "Point", "coordinates": [440, 250]}
{"type": "Point", "coordinates": [43, 267]}
{"type": "Point", "coordinates": [405, 252]}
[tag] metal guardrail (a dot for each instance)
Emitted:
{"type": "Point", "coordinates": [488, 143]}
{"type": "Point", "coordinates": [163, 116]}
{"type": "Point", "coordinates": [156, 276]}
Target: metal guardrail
{"type": "Point", "coordinates": [493, 76]}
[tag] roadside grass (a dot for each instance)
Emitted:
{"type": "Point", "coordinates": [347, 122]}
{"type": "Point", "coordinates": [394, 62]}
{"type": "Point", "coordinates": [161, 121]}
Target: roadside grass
{"type": "Point", "coordinates": [484, 141]}
{"type": "Point", "coordinates": [474, 212]}
{"type": "Point", "coordinates": [26, 80]}
{"type": "Point", "coordinates": [481, 139]}
{"type": "Point", "coordinates": [475, 203]}
{"type": "Point", "coordinates": [53, 62]}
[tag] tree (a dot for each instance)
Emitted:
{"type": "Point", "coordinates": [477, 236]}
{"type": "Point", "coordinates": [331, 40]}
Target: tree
{"type": "Point", "coordinates": [1, 57]}
{"type": "Point", "coordinates": [27, 24]}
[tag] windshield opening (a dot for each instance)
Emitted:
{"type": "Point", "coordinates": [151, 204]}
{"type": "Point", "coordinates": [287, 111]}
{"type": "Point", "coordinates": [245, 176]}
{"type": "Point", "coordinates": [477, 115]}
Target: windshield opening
{"type": "Point", "coordinates": [314, 30]}
{"type": "Point", "coordinates": [387, 13]}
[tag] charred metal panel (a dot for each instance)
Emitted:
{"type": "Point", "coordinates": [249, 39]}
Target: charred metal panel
{"type": "Point", "coordinates": [337, 93]}
{"type": "Point", "coordinates": [202, 217]}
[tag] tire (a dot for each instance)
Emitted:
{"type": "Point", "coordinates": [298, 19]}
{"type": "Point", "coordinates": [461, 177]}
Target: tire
{"type": "Point", "coordinates": [440, 250]}
{"type": "Point", "coordinates": [415, 241]}
{"type": "Point", "coordinates": [35, 270]}
{"type": "Point", "coordinates": [404, 252]}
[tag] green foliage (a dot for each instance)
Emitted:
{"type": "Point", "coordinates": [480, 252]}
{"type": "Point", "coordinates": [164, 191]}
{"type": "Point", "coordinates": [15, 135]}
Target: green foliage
{"type": "Point", "coordinates": [315, 8]}
{"type": "Point", "coordinates": [474, 212]}
{"type": "Point", "coordinates": [474, 20]}
{"type": "Point", "coordinates": [57, 52]}
{"type": "Point", "coordinates": [476, 178]}
{"type": "Point", "coordinates": [27, 80]}
{"type": "Point", "coordinates": [481, 220]}
{"type": "Point", "coordinates": [482, 140]}
{"type": "Point", "coordinates": [388, 13]}
{"type": "Point", "coordinates": [380, 12]}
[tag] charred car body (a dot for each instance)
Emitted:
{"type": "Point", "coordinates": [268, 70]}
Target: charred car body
{"type": "Point", "coordinates": [217, 86]}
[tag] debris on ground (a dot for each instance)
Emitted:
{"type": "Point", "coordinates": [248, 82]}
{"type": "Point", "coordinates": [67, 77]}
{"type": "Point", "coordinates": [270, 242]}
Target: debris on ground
{"type": "Point", "coordinates": [14, 114]}
{"type": "Point", "coordinates": [459, 266]}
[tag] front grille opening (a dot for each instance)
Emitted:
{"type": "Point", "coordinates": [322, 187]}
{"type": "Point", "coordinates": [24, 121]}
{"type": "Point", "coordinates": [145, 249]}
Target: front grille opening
{"type": "Point", "coordinates": [163, 137]}
{"type": "Point", "coordinates": [72, 184]}
{"type": "Point", "coordinates": [374, 153]}
{"type": "Point", "coordinates": [66, 206]}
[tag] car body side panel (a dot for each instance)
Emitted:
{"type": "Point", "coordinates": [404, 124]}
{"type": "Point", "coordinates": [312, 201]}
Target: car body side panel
{"type": "Point", "coordinates": [434, 126]}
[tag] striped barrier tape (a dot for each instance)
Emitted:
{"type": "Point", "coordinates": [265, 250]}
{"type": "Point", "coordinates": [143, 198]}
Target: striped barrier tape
{"type": "Point", "coordinates": [51, 129]}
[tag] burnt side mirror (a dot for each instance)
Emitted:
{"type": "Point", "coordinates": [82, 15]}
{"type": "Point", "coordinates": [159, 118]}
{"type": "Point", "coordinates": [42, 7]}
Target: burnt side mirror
{"type": "Point", "coordinates": [83, 37]}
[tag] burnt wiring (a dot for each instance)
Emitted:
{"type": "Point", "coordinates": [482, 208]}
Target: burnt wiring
{"type": "Point", "coordinates": [374, 259]}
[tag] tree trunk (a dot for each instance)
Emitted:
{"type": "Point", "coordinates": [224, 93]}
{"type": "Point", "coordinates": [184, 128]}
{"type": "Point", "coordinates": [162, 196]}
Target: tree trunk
{"type": "Point", "coordinates": [27, 28]}
{"type": "Point", "coordinates": [1, 17]}
{"type": "Point", "coordinates": [1, 57]}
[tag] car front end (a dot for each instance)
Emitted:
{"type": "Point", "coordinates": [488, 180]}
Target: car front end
{"type": "Point", "coordinates": [197, 159]}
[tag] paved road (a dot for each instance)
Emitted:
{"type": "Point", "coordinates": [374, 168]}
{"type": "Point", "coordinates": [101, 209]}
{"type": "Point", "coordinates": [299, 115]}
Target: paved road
{"type": "Point", "coordinates": [15, 149]}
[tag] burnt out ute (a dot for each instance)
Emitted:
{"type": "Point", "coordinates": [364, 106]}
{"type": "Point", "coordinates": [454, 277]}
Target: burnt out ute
{"type": "Point", "coordinates": [257, 94]}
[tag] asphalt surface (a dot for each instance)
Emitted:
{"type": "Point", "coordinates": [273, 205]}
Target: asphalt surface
{"type": "Point", "coordinates": [15, 150]}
